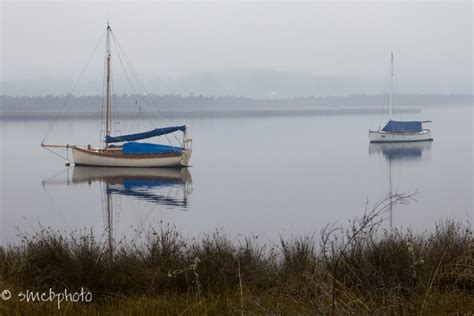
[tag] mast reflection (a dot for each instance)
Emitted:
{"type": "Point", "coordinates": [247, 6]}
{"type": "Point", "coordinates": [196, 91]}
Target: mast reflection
{"type": "Point", "coordinates": [399, 153]}
{"type": "Point", "coordinates": [154, 185]}
{"type": "Point", "coordinates": [162, 187]}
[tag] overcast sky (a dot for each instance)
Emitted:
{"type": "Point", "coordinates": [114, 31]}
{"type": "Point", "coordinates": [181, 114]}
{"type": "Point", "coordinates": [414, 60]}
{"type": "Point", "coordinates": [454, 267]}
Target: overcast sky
{"type": "Point", "coordinates": [432, 42]}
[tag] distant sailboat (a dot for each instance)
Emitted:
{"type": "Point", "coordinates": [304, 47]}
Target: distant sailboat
{"type": "Point", "coordinates": [129, 153]}
{"type": "Point", "coordinates": [399, 131]}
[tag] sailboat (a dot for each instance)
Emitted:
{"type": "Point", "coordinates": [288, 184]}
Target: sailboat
{"type": "Point", "coordinates": [123, 150]}
{"type": "Point", "coordinates": [399, 131]}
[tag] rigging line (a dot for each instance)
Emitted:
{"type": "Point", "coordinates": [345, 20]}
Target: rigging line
{"type": "Point", "coordinates": [141, 85]}
{"type": "Point", "coordinates": [113, 108]}
{"type": "Point", "coordinates": [108, 12]}
{"type": "Point", "coordinates": [102, 122]}
{"type": "Point", "coordinates": [396, 88]}
{"type": "Point", "coordinates": [115, 114]}
{"type": "Point", "coordinates": [148, 102]}
{"type": "Point", "coordinates": [56, 175]}
{"type": "Point", "coordinates": [73, 88]}
{"type": "Point", "coordinates": [123, 66]}
{"type": "Point", "coordinates": [119, 51]}
{"type": "Point", "coordinates": [146, 94]}
{"type": "Point", "coordinates": [135, 75]}
{"type": "Point", "coordinates": [55, 153]}
{"type": "Point", "coordinates": [127, 75]}
{"type": "Point", "coordinates": [129, 64]}
{"type": "Point", "coordinates": [122, 63]}
{"type": "Point", "coordinates": [102, 118]}
{"type": "Point", "coordinates": [117, 123]}
{"type": "Point", "coordinates": [385, 97]}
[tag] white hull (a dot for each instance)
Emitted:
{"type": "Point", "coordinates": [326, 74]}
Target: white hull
{"type": "Point", "coordinates": [388, 137]}
{"type": "Point", "coordinates": [83, 156]}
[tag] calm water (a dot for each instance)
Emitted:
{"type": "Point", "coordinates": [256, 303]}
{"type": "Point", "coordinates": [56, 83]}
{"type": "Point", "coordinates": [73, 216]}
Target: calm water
{"type": "Point", "coordinates": [268, 176]}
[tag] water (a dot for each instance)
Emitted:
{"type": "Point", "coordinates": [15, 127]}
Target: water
{"type": "Point", "coordinates": [270, 176]}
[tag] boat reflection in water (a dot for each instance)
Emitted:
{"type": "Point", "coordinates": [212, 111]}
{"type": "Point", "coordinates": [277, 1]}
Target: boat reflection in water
{"type": "Point", "coordinates": [402, 153]}
{"type": "Point", "coordinates": [168, 187]}
{"type": "Point", "coordinates": [161, 188]}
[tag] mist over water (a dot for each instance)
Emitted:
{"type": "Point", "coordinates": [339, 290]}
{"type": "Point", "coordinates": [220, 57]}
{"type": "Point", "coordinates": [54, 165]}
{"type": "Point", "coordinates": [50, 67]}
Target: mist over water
{"type": "Point", "coordinates": [275, 95]}
{"type": "Point", "coordinates": [254, 49]}
{"type": "Point", "coordinates": [271, 176]}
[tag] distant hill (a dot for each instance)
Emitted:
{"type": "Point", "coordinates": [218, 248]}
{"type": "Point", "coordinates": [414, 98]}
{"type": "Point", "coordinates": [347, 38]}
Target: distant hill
{"type": "Point", "coordinates": [263, 84]}
{"type": "Point", "coordinates": [249, 83]}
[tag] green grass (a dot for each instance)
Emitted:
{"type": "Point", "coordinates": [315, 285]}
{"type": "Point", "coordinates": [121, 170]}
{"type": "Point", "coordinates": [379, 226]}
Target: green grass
{"type": "Point", "coordinates": [377, 272]}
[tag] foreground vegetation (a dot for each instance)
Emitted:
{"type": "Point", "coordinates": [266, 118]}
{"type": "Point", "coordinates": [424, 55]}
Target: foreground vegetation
{"type": "Point", "coordinates": [361, 270]}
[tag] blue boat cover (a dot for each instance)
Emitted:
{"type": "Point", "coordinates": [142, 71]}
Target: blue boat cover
{"type": "Point", "coordinates": [144, 135]}
{"type": "Point", "coordinates": [403, 127]}
{"type": "Point", "coordinates": [146, 148]}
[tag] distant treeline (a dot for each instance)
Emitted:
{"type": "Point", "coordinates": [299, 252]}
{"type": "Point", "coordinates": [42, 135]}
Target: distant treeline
{"type": "Point", "coordinates": [177, 102]}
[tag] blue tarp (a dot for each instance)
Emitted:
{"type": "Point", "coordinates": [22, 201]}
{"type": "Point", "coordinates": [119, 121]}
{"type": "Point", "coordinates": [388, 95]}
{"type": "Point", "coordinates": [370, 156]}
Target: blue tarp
{"type": "Point", "coordinates": [403, 127]}
{"type": "Point", "coordinates": [146, 148]}
{"type": "Point", "coordinates": [144, 135]}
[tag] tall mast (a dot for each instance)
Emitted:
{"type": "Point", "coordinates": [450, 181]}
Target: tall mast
{"type": "Point", "coordinates": [107, 84]}
{"type": "Point", "coordinates": [391, 88]}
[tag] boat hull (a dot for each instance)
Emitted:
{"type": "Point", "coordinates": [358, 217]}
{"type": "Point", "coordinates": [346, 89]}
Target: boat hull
{"type": "Point", "coordinates": [93, 157]}
{"type": "Point", "coordinates": [388, 137]}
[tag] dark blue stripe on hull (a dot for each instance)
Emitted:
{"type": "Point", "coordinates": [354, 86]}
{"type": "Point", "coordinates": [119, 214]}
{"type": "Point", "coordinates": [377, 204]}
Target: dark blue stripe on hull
{"type": "Point", "coordinates": [402, 141]}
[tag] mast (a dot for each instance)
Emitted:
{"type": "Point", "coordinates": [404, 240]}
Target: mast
{"type": "Point", "coordinates": [107, 84]}
{"type": "Point", "coordinates": [391, 88]}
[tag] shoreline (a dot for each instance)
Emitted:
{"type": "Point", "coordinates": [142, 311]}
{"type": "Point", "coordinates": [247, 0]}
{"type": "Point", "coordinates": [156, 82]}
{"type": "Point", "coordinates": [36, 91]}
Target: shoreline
{"type": "Point", "coordinates": [205, 113]}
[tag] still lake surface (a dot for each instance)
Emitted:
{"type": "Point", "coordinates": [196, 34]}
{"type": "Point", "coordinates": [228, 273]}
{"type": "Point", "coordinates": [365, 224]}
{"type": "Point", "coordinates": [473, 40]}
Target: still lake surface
{"type": "Point", "coordinates": [270, 176]}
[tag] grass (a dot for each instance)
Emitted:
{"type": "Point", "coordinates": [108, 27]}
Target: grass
{"type": "Point", "coordinates": [360, 270]}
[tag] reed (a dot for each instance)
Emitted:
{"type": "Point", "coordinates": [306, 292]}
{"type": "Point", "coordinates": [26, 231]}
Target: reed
{"type": "Point", "coordinates": [361, 270]}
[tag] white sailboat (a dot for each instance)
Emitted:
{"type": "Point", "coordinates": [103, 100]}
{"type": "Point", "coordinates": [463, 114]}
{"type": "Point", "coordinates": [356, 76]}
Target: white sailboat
{"type": "Point", "coordinates": [128, 152]}
{"type": "Point", "coordinates": [399, 131]}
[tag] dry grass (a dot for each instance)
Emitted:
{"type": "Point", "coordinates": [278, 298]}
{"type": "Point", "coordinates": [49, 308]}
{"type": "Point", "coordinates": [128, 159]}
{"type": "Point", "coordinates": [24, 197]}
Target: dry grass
{"type": "Point", "coordinates": [371, 272]}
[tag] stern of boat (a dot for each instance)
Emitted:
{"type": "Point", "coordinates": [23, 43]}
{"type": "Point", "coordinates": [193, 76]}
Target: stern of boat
{"type": "Point", "coordinates": [187, 150]}
{"type": "Point", "coordinates": [186, 156]}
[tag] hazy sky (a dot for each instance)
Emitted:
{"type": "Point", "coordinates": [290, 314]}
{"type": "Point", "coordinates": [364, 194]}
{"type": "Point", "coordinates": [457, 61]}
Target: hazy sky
{"type": "Point", "coordinates": [432, 42]}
